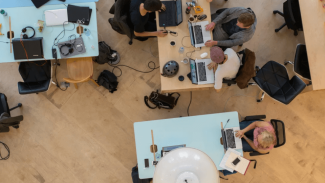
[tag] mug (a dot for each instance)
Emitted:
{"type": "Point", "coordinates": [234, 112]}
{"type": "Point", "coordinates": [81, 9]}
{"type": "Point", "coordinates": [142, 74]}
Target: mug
{"type": "Point", "coordinates": [185, 61]}
{"type": "Point", "coordinates": [173, 43]}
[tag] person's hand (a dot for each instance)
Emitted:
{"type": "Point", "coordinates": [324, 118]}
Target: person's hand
{"type": "Point", "coordinates": [240, 134]}
{"type": "Point", "coordinates": [162, 33]}
{"type": "Point", "coordinates": [163, 7]}
{"type": "Point", "coordinates": [210, 43]}
{"type": "Point", "coordinates": [211, 65]}
{"type": "Point", "coordinates": [210, 26]}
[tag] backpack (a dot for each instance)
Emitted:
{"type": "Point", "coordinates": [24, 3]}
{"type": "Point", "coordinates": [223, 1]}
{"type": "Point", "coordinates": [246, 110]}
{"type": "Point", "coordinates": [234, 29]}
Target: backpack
{"type": "Point", "coordinates": [106, 54]}
{"type": "Point", "coordinates": [161, 100]}
{"type": "Point", "coordinates": [108, 80]}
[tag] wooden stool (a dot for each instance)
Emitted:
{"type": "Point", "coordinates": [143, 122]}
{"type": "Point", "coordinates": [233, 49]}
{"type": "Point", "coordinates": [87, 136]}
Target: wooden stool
{"type": "Point", "coordinates": [80, 70]}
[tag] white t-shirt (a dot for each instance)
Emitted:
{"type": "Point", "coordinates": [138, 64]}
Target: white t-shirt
{"type": "Point", "coordinates": [227, 70]}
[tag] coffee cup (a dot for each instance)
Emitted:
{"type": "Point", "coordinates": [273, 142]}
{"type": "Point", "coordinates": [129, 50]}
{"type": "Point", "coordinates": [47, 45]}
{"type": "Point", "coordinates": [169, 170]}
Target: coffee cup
{"type": "Point", "coordinates": [172, 43]}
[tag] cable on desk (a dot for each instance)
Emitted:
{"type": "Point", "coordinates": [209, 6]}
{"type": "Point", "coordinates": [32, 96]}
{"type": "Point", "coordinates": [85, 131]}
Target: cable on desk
{"type": "Point", "coordinates": [183, 44]}
{"type": "Point", "coordinates": [4, 42]}
{"type": "Point", "coordinates": [8, 150]}
{"type": "Point", "coordinates": [188, 108]}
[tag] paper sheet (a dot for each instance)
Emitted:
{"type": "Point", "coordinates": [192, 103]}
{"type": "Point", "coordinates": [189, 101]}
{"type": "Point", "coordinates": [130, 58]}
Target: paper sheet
{"type": "Point", "coordinates": [225, 158]}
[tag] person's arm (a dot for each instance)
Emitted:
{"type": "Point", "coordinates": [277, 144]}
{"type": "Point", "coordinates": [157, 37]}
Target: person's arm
{"type": "Point", "coordinates": [218, 80]}
{"type": "Point", "coordinates": [147, 34]}
{"type": "Point", "coordinates": [251, 143]}
{"type": "Point", "coordinates": [225, 13]}
{"type": "Point", "coordinates": [230, 42]}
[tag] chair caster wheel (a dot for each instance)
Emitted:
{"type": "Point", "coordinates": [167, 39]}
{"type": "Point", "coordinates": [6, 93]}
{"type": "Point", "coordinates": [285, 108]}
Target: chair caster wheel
{"type": "Point", "coordinates": [274, 12]}
{"type": "Point", "coordinates": [276, 30]}
{"type": "Point", "coordinates": [258, 100]}
{"type": "Point", "coordinates": [19, 105]}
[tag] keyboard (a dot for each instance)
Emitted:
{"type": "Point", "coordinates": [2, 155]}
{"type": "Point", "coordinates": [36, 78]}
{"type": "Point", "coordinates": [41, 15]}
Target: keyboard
{"type": "Point", "coordinates": [230, 136]}
{"type": "Point", "coordinates": [202, 71]}
{"type": "Point", "coordinates": [198, 34]}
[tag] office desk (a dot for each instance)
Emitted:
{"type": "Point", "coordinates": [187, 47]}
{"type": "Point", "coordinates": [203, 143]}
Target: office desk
{"type": "Point", "coordinates": [313, 19]}
{"type": "Point", "coordinates": [168, 52]}
{"type": "Point", "coordinates": [201, 132]}
{"type": "Point", "coordinates": [28, 16]}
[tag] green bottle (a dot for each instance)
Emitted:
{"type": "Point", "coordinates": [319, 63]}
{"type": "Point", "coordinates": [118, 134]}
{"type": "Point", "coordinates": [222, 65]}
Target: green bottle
{"type": "Point", "coordinates": [3, 12]}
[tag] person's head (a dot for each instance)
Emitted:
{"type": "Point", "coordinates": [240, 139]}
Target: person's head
{"type": "Point", "coordinates": [216, 54]}
{"type": "Point", "coordinates": [266, 139]}
{"type": "Point", "coordinates": [245, 20]}
{"type": "Point", "coordinates": [152, 5]}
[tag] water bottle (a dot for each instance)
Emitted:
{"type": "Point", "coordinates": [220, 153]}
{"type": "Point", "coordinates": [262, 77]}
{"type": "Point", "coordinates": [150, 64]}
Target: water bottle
{"type": "Point", "coordinates": [3, 12]}
{"type": "Point", "coordinates": [88, 33]}
{"type": "Point", "coordinates": [181, 50]}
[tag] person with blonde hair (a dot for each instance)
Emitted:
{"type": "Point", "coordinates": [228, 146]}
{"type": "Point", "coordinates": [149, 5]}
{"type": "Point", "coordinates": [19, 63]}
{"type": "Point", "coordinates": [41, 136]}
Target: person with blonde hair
{"type": "Point", "coordinates": [257, 136]}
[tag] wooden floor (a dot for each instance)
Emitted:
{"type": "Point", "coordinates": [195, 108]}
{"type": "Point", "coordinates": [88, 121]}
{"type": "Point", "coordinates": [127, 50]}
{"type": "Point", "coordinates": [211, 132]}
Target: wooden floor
{"type": "Point", "coordinates": [86, 135]}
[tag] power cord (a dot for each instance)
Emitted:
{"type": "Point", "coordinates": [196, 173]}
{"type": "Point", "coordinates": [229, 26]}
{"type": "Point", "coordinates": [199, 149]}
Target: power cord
{"type": "Point", "coordinates": [118, 67]}
{"type": "Point", "coordinates": [4, 42]}
{"type": "Point", "coordinates": [7, 157]}
{"type": "Point", "coordinates": [56, 40]}
{"type": "Point", "coordinates": [56, 79]}
{"type": "Point", "coordinates": [188, 108]}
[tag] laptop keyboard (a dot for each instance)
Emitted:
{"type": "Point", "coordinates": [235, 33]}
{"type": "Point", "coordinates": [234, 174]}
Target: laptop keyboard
{"type": "Point", "coordinates": [202, 71]}
{"type": "Point", "coordinates": [198, 34]}
{"type": "Point", "coordinates": [230, 138]}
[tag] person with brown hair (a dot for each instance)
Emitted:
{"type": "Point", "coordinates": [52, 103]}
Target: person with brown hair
{"type": "Point", "coordinates": [231, 27]}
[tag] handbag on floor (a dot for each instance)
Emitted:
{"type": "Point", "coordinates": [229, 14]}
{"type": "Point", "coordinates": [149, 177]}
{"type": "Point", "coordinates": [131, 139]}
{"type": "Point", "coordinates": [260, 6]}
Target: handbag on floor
{"type": "Point", "coordinates": [107, 80]}
{"type": "Point", "coordinates": [161, 100]}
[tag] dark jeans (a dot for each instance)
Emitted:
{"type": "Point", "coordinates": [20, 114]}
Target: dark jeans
{"type": "Point", "coordinates": [249, 134]}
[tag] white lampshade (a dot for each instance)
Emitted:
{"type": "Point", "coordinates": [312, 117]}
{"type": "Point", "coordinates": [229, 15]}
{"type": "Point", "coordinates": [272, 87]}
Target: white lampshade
{"type": "Point", "coordinates": [186, 165]}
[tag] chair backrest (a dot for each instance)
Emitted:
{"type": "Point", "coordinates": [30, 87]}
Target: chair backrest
{"type": "Point", "coordinates": [279, 129]}
{"type": "Point", "coordinates": [292, 14]}
{"type": "Point", "coordinates": [301, 65]}
{"type": "Point", "coordinates": [36, 71]}
{"type": "Point", "coordinates": [3, 104]}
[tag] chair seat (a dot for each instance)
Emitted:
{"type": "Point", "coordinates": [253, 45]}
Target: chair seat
{"type": "Point", "coordinates": [301, 65]}
{"type": "Point", "coordinates": [274, 80]}
{"type": "Point", "coordinates": [80, 68]}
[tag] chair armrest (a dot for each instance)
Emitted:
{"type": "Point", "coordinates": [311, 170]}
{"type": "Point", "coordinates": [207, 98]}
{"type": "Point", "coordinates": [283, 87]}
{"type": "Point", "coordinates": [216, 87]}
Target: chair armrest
{"type": "Point", "coordinates": [297, 84]}
{"type": "Point", "coordinates": [257, 117]}
{"type": "Point", "coordinates": [255, 153]}
{"type": "Point", "coordinates": [33, 87]}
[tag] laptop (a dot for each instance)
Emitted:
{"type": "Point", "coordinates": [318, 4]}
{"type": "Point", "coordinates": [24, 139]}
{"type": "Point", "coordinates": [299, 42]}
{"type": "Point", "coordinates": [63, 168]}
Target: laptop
{"type": "Point", "coordinates": [39, 3]}
{"type": "Point", "coordinates": [198, 34]}
{"type": "Point", "coordinates": [200, 74]}
{"type": "Point", "coordinates": [33, 46]}
{"type": "Point", "coordinates": [56, 17]}
{"type": "Point", "coordinates": [230, 140]}
{"type": "Point", "coordinates": [78, 48]}
{"type": "Point", "coordinates": [173, 15]}
{"type": "Point", "coordinates": [167, 149]}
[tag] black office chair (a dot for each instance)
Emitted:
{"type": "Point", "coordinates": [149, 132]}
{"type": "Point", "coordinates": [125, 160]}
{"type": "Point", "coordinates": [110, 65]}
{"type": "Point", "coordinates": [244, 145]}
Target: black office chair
{"type": "Point", "coordinates": [300, 65]}
{"type": "Point", "coordinates": [279, 130]}
{"type": "Point", "coordinates": [243, 74]}
{"type": "Point", "coordinates": [273, 79]}
{"type": "Point", "coordinates": [36, 76]}
{"type": "Point", "coordinates": [5, 117]}
{"type": "Point", "coordinates": [292, 16]}
{"type": "Point", "coordinates": [135, 176]}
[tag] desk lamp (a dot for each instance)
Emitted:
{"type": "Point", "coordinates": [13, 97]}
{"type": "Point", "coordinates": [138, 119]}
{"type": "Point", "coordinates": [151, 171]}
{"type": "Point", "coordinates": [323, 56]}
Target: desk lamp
{"type": "Point", "coordinates": [186, 165]}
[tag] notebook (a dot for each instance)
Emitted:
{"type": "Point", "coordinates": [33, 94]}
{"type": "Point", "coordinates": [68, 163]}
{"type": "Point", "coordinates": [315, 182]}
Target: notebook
{"type": "Point", "coordinates": [33, 46]}
{"type": "Point", "coordinates": [78, 14]}
{"type": "Point", "coordinates": [241, 167]}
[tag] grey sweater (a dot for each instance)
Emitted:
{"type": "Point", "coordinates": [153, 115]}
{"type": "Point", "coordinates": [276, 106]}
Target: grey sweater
{"type": "Point", "coordinates": [238, 38]}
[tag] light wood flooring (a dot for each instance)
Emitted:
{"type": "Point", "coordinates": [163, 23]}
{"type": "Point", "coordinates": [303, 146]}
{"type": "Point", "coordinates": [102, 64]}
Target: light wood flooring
{"type": "Point", "coordinates": [86, 135]}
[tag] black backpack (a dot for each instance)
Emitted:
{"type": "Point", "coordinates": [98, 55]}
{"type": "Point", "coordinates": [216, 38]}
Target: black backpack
{"type": "Point", "coordinates": [161, 100]}
{"type": "Point", "coordinates": [108, 80]}
{"type": "Point", "coordinates": [105, 54]}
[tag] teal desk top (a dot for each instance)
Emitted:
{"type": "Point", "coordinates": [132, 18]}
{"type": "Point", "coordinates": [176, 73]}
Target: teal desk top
{"type": "Point", "coordinates": [201, 132]}
{"type": "Point", "coordinates": [28, 16]}
{"type": "Point", "coordinates": [20, 3]}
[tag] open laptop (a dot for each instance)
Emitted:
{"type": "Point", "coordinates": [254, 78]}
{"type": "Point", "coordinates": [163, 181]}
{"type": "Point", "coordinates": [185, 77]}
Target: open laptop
{"type": "Point", "coordinates": [198, 34]}
{"type": "Point", "coordinates": [229, 138]}
{"type": "Point", "coordinates": [200, 74]}
{"type": "Point", "coordinates": [173, 15]}
{"type": "Point", "coordinates": [39, 3]}
{"type": "Point", "coordinates": [56, 17]}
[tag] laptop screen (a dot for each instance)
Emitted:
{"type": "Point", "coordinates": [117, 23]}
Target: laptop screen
{"type": "Point", "coordinates": [179, 13]}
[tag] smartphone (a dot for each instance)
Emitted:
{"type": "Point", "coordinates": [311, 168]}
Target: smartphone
{"type": "Point", "coordinates": [235, 162]}
{"type": "Point", "coordinates": [146, 163]}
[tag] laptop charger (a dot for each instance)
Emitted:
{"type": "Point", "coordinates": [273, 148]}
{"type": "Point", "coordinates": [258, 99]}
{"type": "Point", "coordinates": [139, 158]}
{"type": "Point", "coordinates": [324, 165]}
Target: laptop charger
{"type": "Point", "coordinates": [54, 53]}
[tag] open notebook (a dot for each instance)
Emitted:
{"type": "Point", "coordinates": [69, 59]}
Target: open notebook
{"type": "Point", "coordinates": [241, 167]}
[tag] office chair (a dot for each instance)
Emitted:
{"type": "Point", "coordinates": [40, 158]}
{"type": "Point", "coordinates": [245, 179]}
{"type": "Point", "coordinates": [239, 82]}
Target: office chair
{"type": "Point", "coordinates": [5, 117]}
{"type": "Point", "coordinates": [300, 65]}
{"type": "Point", "coordinates": [245, 72]}
{"type": "Point", "coordinates": [273, 79]}
{"type": "Point", "coordinates": [291, 15]}
{"type": "Point", "coordinates": [279, 130]}
{"type": "Point", "coordinates": [36, 75]}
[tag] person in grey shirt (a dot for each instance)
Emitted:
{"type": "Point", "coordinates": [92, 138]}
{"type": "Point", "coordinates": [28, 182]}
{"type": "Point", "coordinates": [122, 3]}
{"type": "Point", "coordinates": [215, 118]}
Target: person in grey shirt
{"type": "Point", "coordinates": [232, 27]}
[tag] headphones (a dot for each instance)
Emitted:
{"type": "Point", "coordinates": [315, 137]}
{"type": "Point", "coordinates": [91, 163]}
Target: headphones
{"type": "Point", "coordinates": [69, 46]}
{"type": "Point", "coordinates": [24, 30]}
